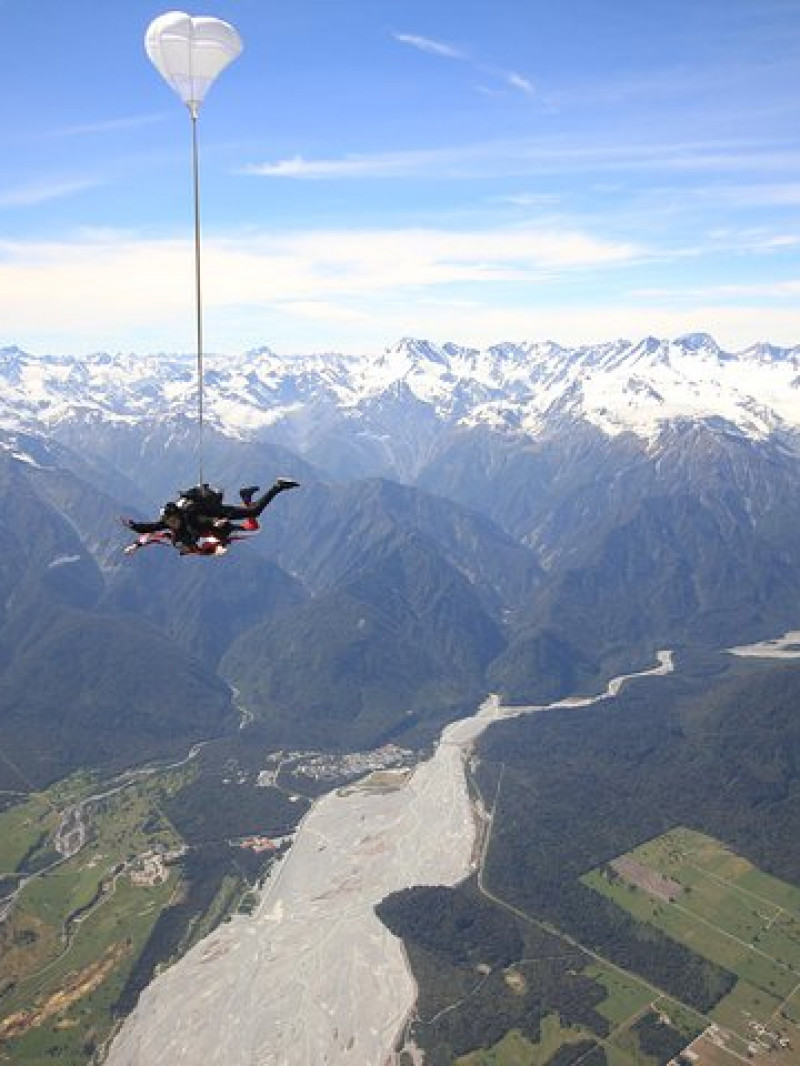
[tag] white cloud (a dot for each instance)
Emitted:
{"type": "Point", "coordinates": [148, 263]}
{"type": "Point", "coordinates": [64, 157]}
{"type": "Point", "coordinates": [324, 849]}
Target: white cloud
{"type": "Point", "coordinates": [111, 285]}
{"type": "Point", "coordinates": [582, 322]}
{"type": "Point", "coordinates": [517, 81]}
{"type": "Point", "coordinates": [704, 294]}
{"type": "Point", "coordinates": [110, 125]}
{"type": "Point", "coordinates": [390, 164]}
{"type": "Point", "coordinates": [426, 44]}
{"type": "Point", "coordinates": [40, 192]}
{"type": "Point", "coordinates": [449, 51]}
{"type": "Point", "coordinates": [353, 290]}
{"type": "Point", "coordinates": [528, 157]}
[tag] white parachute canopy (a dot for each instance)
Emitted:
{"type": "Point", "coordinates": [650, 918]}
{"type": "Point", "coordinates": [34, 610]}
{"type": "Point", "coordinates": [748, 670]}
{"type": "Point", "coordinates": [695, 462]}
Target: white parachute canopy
{"type": "Point", "coordinates": [189, 52]}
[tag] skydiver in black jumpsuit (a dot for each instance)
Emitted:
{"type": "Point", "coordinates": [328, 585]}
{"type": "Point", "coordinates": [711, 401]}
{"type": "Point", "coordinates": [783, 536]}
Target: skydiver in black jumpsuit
{"type": "Point", "coordinates": [200, 513]}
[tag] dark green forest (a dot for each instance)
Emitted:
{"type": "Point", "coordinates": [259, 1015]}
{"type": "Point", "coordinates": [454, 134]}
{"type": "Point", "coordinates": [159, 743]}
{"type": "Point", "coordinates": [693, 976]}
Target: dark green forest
{"type": "Point", "coordinates": [460, 946]}
{"type": "Point", "coordinates": [714, 747]}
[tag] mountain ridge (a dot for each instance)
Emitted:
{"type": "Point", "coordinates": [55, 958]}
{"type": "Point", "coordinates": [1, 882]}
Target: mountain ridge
{"type": "Point", "coordinates": [527, 387]}
{"type": "Point", "coordinates": [523, 518]}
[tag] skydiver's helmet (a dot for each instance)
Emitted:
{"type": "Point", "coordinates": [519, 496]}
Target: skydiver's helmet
{"type": "Point", "coordinates": [171, 514]}
{"type": "Point", "coordinates": [202, 497]}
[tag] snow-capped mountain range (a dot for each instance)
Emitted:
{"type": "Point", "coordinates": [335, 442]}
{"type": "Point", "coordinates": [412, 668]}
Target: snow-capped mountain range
{"type": "Point", "coordinates": [525, 387]}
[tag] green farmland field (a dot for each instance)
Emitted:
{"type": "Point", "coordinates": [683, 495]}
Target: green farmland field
{"type": "Point", "coordinates": [724, 909]}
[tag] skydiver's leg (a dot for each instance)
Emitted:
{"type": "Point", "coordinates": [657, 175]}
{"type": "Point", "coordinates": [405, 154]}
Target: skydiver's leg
{"type": "Point", "coordinates": [281, 485]}
{"type": "Point", "coordinates": [254, 509]}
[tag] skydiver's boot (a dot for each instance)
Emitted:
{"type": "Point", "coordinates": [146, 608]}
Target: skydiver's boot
{"type": "Point", "coordinates": [247, 493]}
{"type": "Point", "coordinates": [281, 484]}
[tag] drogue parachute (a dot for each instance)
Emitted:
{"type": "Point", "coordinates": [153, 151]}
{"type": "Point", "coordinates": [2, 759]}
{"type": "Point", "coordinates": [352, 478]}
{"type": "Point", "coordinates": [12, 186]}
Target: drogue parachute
{"type": "Point", "coordinates": [190, 53]}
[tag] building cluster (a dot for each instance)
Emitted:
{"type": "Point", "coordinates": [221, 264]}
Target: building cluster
{"type": "Point", "coordinates": [149, 870]}
{"type": "Point", "coordinates": [263, 843]}
{"type": "Point", "coordinates": [766, 1039]}
{"type": "Point", "coordinates": [335, 766]}
{"type": "Point", "coordinates": [257, 844]}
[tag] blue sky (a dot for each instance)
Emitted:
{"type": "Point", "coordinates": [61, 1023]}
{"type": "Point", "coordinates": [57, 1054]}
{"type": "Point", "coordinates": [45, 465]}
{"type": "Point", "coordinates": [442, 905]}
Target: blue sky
{"type": "Point", "coordinates": [465, 170]}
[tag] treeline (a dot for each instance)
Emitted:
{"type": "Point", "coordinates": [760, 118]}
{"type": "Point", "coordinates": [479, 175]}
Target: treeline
{"type": "Point", "coordinates": [585, 1052]}
{"type": "Point", "coordinates": [482, 972]}
{"type": "Point", "coordinates": [466, 930]}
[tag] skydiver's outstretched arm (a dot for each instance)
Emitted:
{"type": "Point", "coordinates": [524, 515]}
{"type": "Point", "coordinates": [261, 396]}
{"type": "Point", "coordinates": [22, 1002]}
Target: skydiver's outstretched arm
{"type": "Point", "coordinates": [146, 527]}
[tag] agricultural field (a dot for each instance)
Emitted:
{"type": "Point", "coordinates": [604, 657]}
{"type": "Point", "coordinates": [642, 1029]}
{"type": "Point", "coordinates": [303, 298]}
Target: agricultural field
{"type": "Point", "coordinates": [76, 925]}
{"type": "Point", "coordinates": [23, 828]}
{"type": "Point", "coordinates": [715, 902]}
{"type": "Point", "coordinates": [515, 1050]}
{"type": "Point", "coordinates": [628, 1006]}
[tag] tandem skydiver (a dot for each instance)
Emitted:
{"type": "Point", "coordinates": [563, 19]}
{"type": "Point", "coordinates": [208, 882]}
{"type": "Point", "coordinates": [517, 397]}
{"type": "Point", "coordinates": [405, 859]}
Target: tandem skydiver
{"type": "Point", "coordinates": [201, 523]}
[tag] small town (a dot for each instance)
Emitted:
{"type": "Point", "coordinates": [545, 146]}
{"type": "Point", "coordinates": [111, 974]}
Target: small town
{"type": "Point", "coordinates": [324, 766]}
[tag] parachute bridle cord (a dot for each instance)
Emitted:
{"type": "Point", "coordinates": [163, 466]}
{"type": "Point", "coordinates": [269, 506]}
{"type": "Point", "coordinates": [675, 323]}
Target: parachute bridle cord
{"type": "Point", "coordinates": [189, 54]}
{"type": "Point", "coordinates": [197, 288]}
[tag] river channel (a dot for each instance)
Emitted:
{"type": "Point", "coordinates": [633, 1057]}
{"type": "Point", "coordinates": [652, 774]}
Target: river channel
{"type": "Point", "coordinates": [312, 977]}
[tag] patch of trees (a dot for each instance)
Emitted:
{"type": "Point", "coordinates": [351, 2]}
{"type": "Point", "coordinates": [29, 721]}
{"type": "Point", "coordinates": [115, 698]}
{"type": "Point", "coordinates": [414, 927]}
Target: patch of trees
{"type": "Point", "coordinates": [467, 931]}
{"type": "Point", "coordinates": [9, 800]}
{"type": "Point", "coordinates": [585, 1051]}
{"type": "Point", "coordinates": [482, 972]}
{"type": "Point", "coordinates": [39, 856]}
{"type": "Point", "coordinates": [7, 884]}
{"type": "Point", "coordinates": [213, 808]}
{"type": "Point", "coordinates": [657, 1038]}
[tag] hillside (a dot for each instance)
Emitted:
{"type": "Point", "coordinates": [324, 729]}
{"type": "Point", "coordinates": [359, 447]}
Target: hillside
{"type": "Point", "coordinates": [527, 520]}
{"type": "Point", "coordinates": [468, 520]}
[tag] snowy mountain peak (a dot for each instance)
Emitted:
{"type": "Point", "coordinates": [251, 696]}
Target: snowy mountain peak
{"type": "Point", "coordinates": [695, 342]}
{"type": "Point", "coordinates": [619, 386]}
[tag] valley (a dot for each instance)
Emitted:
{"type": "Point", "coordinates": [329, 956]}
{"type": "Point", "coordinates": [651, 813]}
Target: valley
{"type": "Point", "coordinates": [524, 520]}
{"type": "Point", "coordinates": [314, 920]}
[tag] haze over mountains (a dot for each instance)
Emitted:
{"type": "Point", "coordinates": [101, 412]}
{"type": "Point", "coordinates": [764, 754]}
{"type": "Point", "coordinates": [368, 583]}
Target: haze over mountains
{"type": "Point", "coordinates": [524, 519]}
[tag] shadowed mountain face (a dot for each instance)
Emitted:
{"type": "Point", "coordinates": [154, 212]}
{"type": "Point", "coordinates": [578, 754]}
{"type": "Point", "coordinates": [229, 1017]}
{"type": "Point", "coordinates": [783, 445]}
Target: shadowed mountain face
{"type": "Point", "coordinates": [535, 544]}
{"type": "Point", "coordinates": [405, 634]}
{"type": "Point", "coordinates": [81, 685]}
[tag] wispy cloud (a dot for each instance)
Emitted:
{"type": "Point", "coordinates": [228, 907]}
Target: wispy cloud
{"type": "Point", "coordinates": [506, 78]}
{"type": "Point", "coordinates": [392, 164]}
{"type": "Point", "coordinates": [435, 48]}
{"type": "Point", "coordinates": [41, 192]}
{"type": "Point", "coordinates": [357, 289]}
{"type": "Point", "coordinates": [744, 291]}
{"type": "Point", "coordinates": [517, 81]}
{"type": "Point", "coordinates": [458, 161]}
{"type": "Point", "coordinates": [536, 158]}
{"type": "Point", "coordinates": [109, 125]}
{"type": "Point", "coordinates": [755, 195]}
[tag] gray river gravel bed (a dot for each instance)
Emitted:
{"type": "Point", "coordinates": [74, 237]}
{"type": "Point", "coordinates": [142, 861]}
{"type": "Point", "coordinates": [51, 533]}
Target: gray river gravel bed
{"type": "Point", "coordinates": [312, 977]}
